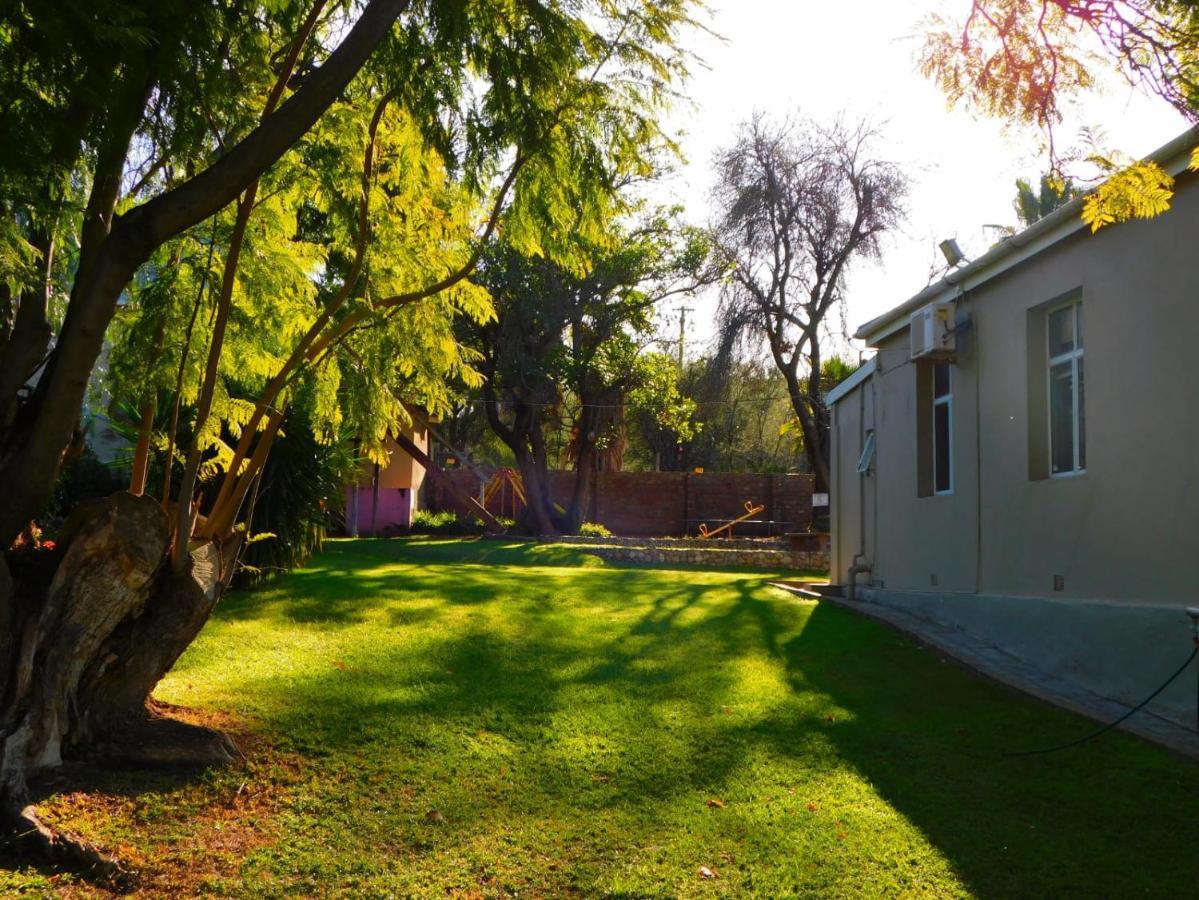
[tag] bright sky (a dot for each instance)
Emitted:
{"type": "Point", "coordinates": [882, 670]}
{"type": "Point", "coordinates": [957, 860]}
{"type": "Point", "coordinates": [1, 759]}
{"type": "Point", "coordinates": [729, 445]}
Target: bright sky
{"type": "Point", "coordinates": [858, 58]}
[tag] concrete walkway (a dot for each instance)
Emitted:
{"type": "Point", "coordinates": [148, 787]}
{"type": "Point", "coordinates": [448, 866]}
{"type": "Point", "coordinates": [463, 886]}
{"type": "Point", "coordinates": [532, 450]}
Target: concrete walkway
{"type": "Point", "coordinates": [1000, 666]}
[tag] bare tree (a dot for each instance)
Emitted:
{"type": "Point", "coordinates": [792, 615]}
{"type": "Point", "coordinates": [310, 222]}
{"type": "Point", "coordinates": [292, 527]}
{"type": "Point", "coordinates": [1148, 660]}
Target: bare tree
{"type": "Point", "coordinates": [796, 204]}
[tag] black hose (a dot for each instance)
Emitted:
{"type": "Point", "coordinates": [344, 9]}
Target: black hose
{"type": "Point", "coordinates": [1110, 726]}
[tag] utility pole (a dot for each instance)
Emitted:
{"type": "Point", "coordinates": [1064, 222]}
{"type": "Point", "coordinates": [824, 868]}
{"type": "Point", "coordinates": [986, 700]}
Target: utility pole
{"type": "Point", "coordinates": [683, 310]}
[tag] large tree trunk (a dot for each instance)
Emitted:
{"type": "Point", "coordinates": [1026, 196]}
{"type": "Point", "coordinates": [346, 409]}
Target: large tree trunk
{"type": "Point", "coordinates": [815, 430]}
{"type": "Point", "coordinates": [80, 655]}
{"type": "Point", "coordinates": [540, 518]}
{"type": "Point", "coordinates": [593, 419]}
{"type": "Point", "coordinates": [525, 440]}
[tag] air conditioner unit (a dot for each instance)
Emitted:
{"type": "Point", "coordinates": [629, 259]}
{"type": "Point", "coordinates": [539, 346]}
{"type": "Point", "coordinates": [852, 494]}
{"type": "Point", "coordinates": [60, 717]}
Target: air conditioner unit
{"type": "Point", "coordinates": [932, 332]}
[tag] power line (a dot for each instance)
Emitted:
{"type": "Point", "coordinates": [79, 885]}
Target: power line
{"type": "Point", "coordinates": [744, 401]}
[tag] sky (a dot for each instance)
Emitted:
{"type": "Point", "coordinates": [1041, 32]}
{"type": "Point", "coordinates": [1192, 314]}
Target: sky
{"type": "Point", "coordinates": [856, 58]}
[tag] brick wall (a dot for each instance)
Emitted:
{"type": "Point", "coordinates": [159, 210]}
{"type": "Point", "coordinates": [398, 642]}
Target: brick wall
{"type": "Point", "coordinates": [668, 503]}
{"type": "Point", "coordinates": [436, 497]}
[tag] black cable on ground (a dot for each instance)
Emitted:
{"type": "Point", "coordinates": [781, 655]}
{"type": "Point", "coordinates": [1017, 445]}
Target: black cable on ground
{"type": "Point", "coordinates": [1110, 726]}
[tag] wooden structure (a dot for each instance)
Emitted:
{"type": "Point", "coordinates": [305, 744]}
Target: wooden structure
{"type": "Point", "coordinates": [435, 471]}
{"type": "Point", "coordinates": [510, 487]}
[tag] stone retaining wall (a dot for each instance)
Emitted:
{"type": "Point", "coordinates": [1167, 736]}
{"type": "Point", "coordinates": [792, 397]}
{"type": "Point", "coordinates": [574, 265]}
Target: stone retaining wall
{"type": "Point", "coordinates": [775, 559]}
{"type": "Point", "coordinates": [673, 543]}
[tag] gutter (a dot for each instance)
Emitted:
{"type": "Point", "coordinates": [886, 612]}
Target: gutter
{"type": "Point", "coordinates": [1174, 157]}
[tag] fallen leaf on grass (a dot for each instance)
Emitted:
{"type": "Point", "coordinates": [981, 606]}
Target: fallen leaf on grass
{"type": "Point", "coordinates": [340, 666]}
{"type": "Point", "coordinates": [812, 807]}
{"type": "Point", "coordinates": [716, 804]}
{"type": "Point", "coordinates": [705, 872]}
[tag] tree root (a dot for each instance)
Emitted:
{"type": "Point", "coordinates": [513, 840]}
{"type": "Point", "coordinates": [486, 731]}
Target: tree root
{"type": "Point", "coordinates": [146, 738]}
{"type": "Point", "coordinates": [150, 739]}
{"type": "Point", "coordinates": [24, 830]}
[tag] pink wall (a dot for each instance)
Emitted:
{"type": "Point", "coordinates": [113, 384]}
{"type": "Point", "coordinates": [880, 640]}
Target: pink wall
{"type": "Point", "coordinates": [395, 509]}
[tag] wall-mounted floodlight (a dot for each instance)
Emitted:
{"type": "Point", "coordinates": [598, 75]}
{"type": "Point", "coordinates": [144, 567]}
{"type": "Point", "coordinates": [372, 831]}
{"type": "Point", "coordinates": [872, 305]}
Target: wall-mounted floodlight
{"type": "Point", "coordinates": [952, 252]}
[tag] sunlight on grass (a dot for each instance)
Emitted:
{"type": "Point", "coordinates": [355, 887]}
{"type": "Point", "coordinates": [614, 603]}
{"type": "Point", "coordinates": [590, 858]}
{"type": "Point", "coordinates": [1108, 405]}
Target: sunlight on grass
{"type": "Point", "coordinates": [496, 718]}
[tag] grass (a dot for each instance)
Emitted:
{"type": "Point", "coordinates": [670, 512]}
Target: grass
{"type": "Point", "coordinates": [478, 718]}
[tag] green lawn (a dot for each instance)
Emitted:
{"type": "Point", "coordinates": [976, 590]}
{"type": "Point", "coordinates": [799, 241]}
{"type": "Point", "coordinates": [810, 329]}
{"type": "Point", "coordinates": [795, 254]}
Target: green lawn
{"type": "Point", "coordinates": [469, 719]}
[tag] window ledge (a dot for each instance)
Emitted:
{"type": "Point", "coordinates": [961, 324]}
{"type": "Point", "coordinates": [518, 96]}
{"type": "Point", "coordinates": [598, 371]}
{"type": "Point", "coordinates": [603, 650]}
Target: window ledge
{"type": "Point", "coordinates": [1056, 476]}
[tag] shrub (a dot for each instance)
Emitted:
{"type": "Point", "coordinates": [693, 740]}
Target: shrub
{"type": "Point", "coordinates": [444, 523]}
{"type": "Point", "coordinates": [594, 529]}
{"type": "Point", "coordinates": [83, 478]}
{"type": "Point", "coordinates": [301, 497]}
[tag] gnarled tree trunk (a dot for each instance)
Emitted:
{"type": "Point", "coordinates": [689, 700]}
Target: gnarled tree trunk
{"type": "Point", "coordinates": [80, 655]}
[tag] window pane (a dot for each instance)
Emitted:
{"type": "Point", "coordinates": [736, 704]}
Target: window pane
{"type": "Point", "coordinates": [942, 480]}
{"type": "Point", "coordinates": [1082, 419]}
{"type": "Point", "coordinates": [1061, 418]}
{"type": "Point", "coordinates": [941, 380]}
{"type": "Point", "coordinates": [1078, 325]}
{"type": "Point", "coordinates": [1061, 331]}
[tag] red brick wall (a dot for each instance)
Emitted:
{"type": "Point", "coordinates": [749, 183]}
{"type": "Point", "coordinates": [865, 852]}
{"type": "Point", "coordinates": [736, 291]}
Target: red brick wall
{"type": "Point", "coordinates": [668, 503]}
{"type": "Point", "coordinates": [641, 503]}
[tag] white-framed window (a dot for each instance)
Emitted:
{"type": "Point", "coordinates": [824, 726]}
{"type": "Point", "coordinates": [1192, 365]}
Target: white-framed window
{"type": "Point", "coordinates": [1067, 407]}
{"type": "Point", "coordinates": [867, 456]}
{"type": "Point", "coordinates": [942, 422]}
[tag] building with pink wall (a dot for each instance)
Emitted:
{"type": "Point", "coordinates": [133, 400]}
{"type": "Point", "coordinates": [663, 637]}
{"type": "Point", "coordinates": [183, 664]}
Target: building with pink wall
{"type": "Point", "coordinates": [389, 509]}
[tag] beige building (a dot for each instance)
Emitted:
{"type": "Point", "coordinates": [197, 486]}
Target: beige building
{"type": "Point", "coordinates": [1037, 485]}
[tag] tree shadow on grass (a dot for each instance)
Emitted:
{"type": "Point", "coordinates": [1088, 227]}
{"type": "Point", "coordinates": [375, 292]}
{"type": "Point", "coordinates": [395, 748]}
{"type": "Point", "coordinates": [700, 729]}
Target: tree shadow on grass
{"type": "Point", "coordinates": [353, 580]}
{"type": "Point", "coordinates": [474, 551]}
{"type": "Point", "coordinates": [1115, 818]}
{"type": "Point", "coordinates": [602, 714]}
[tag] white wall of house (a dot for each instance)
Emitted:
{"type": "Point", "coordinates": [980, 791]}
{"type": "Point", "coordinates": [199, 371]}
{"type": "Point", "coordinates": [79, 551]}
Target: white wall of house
{"type": "Point", "coordinates": [1085, 572]}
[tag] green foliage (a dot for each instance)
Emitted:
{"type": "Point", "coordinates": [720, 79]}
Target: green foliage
{"type": "Point", "coordinates": [83, 478]}
{"type": "Point", "coordinates": [300, 497]}
{"type": "Point", "coordinates": [594, 529]}
{"type": "Point", "coordinates": [1012, 60]}
{"type": "Point", "coordinates": [67, 69]}
{"type": "Point", "coordinates": [656, 394]}
{"type": "Point", "coordinates": [1033, 205]}
{"type": "Point", "coordinates": [832, 372]}
{"type": "Point", "coordinates": [743, 419]}
{"type": "Point", "coordinates": [1138, 191]}
{"type": "Point", "coordinates": [443, 523]}
{"type": "Point", "coordinates": [565, 358]}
